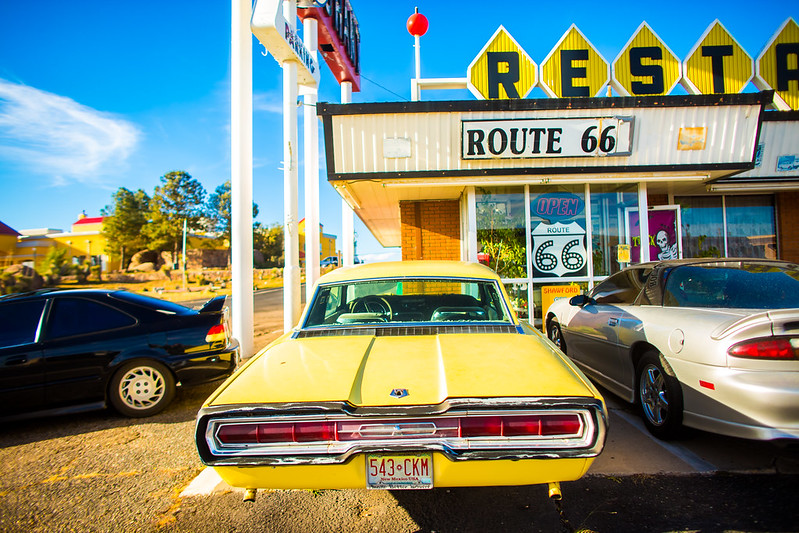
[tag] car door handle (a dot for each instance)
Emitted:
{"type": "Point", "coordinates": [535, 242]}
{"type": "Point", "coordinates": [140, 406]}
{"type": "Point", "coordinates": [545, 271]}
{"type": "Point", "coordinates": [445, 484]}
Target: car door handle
{"type": "Point", "coordinates": [18, 360]}
{"type": "Point", "coordinates": [613, 322]}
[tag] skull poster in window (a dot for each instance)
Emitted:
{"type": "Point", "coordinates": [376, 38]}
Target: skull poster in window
{"type": "Point", "coordinates": [559, 250]}
{"type": "Point", "coordinates": [664, 237]}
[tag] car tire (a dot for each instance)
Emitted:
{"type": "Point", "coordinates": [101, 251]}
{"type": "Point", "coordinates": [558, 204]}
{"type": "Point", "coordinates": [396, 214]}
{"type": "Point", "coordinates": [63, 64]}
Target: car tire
{"type": "Point", "coordinates": [555, 334]}
{"type": "Point", "coordinates": [141, 388]}
{"type": "Point", "coordinates": [659, 396]}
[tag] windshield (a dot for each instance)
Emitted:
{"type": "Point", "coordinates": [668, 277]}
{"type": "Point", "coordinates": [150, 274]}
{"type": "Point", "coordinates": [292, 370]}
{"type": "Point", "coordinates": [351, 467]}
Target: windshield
{"type": "Point", "coordinates": [407, 300]}
{"type": "Point", "coordinates": [750, 286]}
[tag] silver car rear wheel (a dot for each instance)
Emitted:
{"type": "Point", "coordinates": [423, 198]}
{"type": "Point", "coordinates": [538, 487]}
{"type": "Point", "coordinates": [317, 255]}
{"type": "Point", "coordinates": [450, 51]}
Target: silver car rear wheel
{"type": "Point", "coordinates": [141, 388]}
{"type": "Point", "coordinates": [660, 397]}
{"type": "Point", "coordinates": [556, 335]}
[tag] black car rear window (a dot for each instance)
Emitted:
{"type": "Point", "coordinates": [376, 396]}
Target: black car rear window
{"type": "Point", "coordinates": [751, 286]}
{"type": "Point", "coordinates": [153, 303]}
{"type": "Point", "coordinates": [76, 316]}
{"type": "Point", "coordinates": [19, 322]}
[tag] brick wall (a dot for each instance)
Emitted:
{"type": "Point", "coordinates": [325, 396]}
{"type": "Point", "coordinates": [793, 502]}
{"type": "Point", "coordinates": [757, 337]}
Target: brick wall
{"type": "Point", "coordinates": [430, 230]}
{"type": "Point", "coordinates": [788, 225]}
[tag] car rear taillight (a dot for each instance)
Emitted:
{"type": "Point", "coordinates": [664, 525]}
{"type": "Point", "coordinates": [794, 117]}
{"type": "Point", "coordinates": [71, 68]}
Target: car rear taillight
{"type": "Point", "coordinates": [521, 426]}
{"type": "Point", "coordinates": [217, 333]}
{"type": "Point", "coordinates": [270, 433]}
{"type": "Point", "coordinates": [502, 427]}
{"type": "Point", "coordinates": [780, 348]}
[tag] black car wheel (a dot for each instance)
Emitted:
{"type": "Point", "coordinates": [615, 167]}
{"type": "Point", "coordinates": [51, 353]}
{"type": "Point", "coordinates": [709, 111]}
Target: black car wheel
{"type": "Point", "coordinates": [660, 397]}
{"type": "Point", "coordinates": [556, 335]}
{"type": "Point", "coordinates": [141, 388]}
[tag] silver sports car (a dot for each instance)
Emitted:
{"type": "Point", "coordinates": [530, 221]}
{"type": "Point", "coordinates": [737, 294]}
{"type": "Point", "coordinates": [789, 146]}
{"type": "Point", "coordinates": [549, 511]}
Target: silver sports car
{"type": "Point", "coordinates": [707, 343]}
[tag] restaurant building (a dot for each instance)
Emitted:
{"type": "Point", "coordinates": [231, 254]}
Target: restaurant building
{"type": "Point", "coordinates": [549, 191]}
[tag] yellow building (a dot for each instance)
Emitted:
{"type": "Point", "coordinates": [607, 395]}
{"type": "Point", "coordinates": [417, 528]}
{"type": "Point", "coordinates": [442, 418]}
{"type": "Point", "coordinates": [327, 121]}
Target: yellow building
{"type": "Point", "coordinates": [8, 244]}
{"type": "Point", "coordinates": [327, 243]}
{"type": "Point", "coordinates": [84, 242]}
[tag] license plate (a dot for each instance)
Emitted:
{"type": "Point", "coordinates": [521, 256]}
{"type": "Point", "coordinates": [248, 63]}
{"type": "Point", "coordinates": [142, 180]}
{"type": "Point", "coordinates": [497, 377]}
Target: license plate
{"type": "Point", "coordinates": [399, 471]}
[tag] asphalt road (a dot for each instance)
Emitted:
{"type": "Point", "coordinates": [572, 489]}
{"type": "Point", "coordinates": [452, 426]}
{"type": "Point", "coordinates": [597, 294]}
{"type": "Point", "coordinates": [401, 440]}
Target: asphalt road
{"type": "Point", "coordinates": [101, 472]}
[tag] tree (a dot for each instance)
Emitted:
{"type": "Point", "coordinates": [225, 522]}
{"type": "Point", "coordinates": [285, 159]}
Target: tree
{"type": "Point", "coordinates": [179, 197]}
{"type": "Point", "coordinates": [55, 265]}
{"type": "Point", "coordinates": [269, 241]}
{"type": "Point", "coordinates": [218, 211]}
{"type": "Point", "coordinates": [124, 223]}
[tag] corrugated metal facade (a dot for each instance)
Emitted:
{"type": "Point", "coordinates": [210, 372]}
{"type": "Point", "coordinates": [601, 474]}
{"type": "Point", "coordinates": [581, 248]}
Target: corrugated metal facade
{"type": "Point", "coordinates": [777, 139]}
{"type": "Point", "coordinates": [436, 139]}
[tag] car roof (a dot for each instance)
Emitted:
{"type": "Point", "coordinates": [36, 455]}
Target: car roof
{"type": "Point", "coordinates": [54, 290]}
{"type": "Point", "coordinates": [714, 261]}
{"type": "Point", "coordinates": [403, 269]}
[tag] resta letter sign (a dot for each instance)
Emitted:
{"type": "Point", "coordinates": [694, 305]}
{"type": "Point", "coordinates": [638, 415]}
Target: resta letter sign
{"type": "Point", "coordinates": [646, 66]}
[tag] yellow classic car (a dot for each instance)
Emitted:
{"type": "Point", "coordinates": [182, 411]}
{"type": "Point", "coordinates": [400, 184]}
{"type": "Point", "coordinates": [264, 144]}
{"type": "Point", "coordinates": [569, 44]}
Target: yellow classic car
{"type": "Point", "coordinates": [404, 375]}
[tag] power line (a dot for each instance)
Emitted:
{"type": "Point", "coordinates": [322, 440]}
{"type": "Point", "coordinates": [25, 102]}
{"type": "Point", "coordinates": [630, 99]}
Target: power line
{"type": "Point", "coordinates": [384, 88]}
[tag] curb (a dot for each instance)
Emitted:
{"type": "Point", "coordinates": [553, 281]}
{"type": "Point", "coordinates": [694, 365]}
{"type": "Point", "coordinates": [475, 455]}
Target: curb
{"type": "Point", "coordinates": [206, 483]}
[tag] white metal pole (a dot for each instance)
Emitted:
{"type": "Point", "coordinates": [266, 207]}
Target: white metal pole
{"type": "Point", "coordinates": [291, 240]}
{"type": "Point", "coordinates": [417, 93]}
{"type": "Point", "coordinates": [347, 215]}
{"type": "Point", "coordinates": [643, 221]}
{"type": "Point", "coordinates": [185, 231]}
{"type": "Point", "coordinates": [311, 142]}
{"type": "Point", "coordinates": [241, 175]}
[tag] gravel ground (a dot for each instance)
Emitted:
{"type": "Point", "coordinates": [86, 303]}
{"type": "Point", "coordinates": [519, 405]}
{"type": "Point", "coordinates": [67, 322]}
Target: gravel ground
{"type": "Point", "coordinates": [98, 471]}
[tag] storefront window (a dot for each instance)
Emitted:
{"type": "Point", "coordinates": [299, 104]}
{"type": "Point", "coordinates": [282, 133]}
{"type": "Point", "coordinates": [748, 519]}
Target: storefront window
{"type": "Point", "coordinates": [557, 220]}
{"type": "Point", "coordinates": [517, 292]}
{"type": "Point", "coordinates": [702, 226]}
{"type": "Point", "coordinates": [613, 208]}
{"type": "Point", "coordinates": [501, 230]}
{"type": "Point", "coordinates": [751, 231]}
{"type": "Point", "coordinates": [750, 226]}
{"type": "Point", "coordinates": [545, 294]}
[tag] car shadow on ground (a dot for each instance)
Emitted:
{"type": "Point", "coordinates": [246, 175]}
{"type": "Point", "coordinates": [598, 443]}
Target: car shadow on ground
{"type": "Point", "coordinates": [182, 409]}
{"type": "Point", "coordinates": [639, 503]}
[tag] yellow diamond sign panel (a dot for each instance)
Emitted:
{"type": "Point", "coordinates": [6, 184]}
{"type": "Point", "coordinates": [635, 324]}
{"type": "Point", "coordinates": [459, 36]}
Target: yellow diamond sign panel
{"type": "Point", "coordinates": [502, 69]}
{"type": "Point", "coordinates": [574, 68]}
{"type": "Point", "coordinates": [777, 67]}
{"type": "Point", "coordinates": [717, 64]}
{"type": "Point", "coordinates": [645, 66]}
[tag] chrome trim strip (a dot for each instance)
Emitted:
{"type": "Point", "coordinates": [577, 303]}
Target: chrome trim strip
{"type": "Point", "coordinates": [588, 444]}
{"type": "Point", "coordinates": [405, 329]}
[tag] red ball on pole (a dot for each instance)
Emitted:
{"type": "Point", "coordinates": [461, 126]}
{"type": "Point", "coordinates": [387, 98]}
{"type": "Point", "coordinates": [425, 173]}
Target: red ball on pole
{"type": "Point", "coordinates": [417, 24]}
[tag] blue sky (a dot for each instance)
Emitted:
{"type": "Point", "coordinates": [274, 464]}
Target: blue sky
{"type": "Point", "coordinates": [100, 95]}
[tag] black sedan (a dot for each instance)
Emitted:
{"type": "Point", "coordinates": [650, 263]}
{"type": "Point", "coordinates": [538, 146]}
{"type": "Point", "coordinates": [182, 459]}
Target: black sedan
{"type": "Point", "coordinates": [64, 351]}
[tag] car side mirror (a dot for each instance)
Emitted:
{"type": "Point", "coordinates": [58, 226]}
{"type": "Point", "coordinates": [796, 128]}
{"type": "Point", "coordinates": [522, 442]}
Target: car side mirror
{"type": "Point", "coordinates": [581, 300]}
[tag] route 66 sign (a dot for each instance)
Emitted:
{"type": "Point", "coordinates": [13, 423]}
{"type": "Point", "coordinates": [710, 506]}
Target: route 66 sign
{"type": "Point", "coordinates": [559, 250]}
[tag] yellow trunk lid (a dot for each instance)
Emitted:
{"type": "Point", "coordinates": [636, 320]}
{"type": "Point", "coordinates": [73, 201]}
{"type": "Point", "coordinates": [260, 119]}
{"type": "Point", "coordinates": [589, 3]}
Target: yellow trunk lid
{"type": "Point", "coordinates": [365, 369]}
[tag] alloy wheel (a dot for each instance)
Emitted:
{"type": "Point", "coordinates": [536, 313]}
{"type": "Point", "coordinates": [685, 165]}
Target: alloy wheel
{"type": "Point", "coordinates": [654, 396]}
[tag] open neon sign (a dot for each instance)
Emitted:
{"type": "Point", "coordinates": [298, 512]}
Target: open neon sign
{"type": "Point", "coordinates": [558, 206]}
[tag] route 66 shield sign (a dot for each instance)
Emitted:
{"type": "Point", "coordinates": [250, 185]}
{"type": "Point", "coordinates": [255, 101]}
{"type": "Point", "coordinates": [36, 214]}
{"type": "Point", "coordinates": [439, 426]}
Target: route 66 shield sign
{"type": "Point", "coordinates": [559, 250]}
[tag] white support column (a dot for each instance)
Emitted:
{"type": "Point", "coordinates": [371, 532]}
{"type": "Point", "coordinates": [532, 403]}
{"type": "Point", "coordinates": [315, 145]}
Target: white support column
{"type": "Point", "coordinates": [291, 240]}
{"type": "Point", "coordinates": [643, 221]}
{"type": "Point", "coordinates": [347, 215]}
{"type": "Point", "coordinates": [471, 216]}
{"type": "Point", "coordinates": [311, 142]}
{"type": "Point", "coordinates": [241, 176]}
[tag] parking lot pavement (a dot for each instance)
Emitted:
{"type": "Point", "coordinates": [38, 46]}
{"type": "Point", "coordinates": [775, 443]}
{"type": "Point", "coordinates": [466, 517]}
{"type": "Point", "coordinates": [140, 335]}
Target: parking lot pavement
{"type": "Point", "coordinates": [631, 449]}
{"type": "Point", "coordinates": [603, 504]}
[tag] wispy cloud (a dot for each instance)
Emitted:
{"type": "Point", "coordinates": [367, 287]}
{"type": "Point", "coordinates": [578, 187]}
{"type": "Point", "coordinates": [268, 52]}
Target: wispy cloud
{"type": "Point", "coordinates": [56, 136]}
{"type": "Point", "coordinates": [267, 102]}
